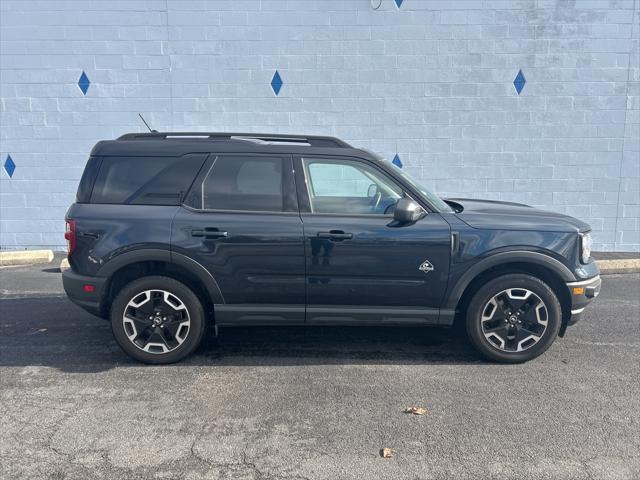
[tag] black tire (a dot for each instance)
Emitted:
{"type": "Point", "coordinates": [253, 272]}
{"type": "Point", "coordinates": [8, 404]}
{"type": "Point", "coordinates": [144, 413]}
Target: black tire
{"type": "Point", "coordinates": [188, 327]}
{"type": "Point", "coordinates": [491, 302]}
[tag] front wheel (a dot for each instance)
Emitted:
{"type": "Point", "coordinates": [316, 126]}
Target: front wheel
{"type": "Point", "coordinates": [513, 318]}
{"type": "Point", "coordinates": [157, 320]}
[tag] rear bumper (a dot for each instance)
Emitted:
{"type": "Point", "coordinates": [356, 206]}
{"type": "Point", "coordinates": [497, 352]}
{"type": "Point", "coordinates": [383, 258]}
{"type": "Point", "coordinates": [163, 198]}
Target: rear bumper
{"type": "Point", "coordinates": [91, 301]}
{"type": "Point", "coordinates": [582, 294]}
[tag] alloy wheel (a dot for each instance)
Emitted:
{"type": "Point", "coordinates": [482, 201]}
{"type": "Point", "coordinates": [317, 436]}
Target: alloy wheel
{"type": "Point", "coordinates": [514, 320]}
{"type": "Point", "coordinates": [156, 321]}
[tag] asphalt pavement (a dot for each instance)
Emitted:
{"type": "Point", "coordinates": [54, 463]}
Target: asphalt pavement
{"type": "Point", "coordinates": [314, 403]}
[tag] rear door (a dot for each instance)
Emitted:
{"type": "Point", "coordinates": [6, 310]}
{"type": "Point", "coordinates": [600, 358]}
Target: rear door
{"type": "Point", "coordinates": [362, 267]}
{"type": "Point", "coordinates": [241, 222]}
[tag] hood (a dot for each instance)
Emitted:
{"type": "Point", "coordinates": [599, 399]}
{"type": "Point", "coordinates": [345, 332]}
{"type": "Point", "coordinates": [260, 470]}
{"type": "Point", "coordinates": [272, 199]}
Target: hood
{"type": "Point", "coordinates": [490, 214]}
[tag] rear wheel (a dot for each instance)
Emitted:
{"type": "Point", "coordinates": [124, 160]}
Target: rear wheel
{"type": "Point", "coordinates": [157, 320]}
{"type": "Point", "coordinates": [513, 318]}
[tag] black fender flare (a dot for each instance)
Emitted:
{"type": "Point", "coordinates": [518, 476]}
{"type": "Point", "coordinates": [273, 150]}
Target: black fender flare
{"type": "Point", "coordinates": [456, 292]}
{"type": "Point", "coordinates": [166, 256]}
{"type": "Point", "coordinates": [204, 275]}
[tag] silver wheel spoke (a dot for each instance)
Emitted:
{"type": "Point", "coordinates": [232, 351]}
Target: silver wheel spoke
{"type": "Point", "coordinates": [514, 320]}
{"type": "Point", "coordinates": [156, 321]}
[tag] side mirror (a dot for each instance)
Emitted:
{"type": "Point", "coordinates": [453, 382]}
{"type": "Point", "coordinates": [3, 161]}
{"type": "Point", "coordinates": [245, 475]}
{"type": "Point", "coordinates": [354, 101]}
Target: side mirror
{"type": "Point", "coordinates": [408, 211]}
{"type": "Point", "coordinates": [372, 191]}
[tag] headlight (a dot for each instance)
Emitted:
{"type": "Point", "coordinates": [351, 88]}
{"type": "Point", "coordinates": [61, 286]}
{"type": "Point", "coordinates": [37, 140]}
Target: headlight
{"type": "Point", "coordinates": [586, 242]}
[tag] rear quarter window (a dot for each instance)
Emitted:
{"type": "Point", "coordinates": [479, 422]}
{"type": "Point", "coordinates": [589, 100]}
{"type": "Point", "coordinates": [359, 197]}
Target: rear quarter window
{"type": "Point", "coordinates": [88, 178]}
{"type": "Point", "coordinates": [145, 180]}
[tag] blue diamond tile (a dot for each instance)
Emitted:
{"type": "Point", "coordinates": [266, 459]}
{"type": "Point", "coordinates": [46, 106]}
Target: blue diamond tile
{"type": "Point", "coordinates": [396, 161]}
{"type": "Point", "coordinates": [9, 165]}
{"type": "Point", "coordinates": [519, 82]}
{"type": "Point", "coordinates": [84, 83]}
{"type": "Point", "coordinates": [399, 3]}
{"type": "Point", "coordinates": [276, 83]}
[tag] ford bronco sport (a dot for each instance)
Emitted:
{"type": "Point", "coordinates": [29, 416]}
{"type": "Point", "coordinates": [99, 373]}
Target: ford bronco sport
{"type": "Point", "coordinates": [173, 233]}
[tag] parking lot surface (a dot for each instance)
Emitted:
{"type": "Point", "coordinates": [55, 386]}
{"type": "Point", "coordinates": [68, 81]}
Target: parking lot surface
{"type": "Point", "coordinates": [314, 403]}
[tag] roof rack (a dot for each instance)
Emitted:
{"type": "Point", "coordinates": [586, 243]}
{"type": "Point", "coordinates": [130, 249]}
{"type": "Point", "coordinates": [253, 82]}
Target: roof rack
{"type": "Point", "coordinates": [264, 139]}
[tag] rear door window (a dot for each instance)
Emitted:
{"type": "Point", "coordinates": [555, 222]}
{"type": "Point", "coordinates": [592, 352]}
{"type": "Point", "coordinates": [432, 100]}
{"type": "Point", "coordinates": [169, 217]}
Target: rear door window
{"type": "Point", "coordinates": [250, 183]}
{"type": "Point", "coordinates": [145, 180]}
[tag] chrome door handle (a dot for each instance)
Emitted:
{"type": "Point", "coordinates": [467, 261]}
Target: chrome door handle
{"type": "Point", "coordinates": [209, 233]}
{"type": "Point", "coordinates": [335, 235]}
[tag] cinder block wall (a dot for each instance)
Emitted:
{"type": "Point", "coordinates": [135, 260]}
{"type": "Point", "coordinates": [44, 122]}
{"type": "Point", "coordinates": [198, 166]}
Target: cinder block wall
{"type": "Point", "coordinates": [431, 81]}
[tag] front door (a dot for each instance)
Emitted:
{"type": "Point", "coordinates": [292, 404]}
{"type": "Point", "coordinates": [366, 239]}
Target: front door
{"type": "Point", "coordinates": [241, 222]}
{"type": "Point", "coordinates": [361, 266]}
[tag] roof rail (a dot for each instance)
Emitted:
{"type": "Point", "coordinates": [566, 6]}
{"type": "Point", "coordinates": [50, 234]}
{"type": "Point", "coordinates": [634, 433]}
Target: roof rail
{"type": "Point", "coordinates": [268, 138]}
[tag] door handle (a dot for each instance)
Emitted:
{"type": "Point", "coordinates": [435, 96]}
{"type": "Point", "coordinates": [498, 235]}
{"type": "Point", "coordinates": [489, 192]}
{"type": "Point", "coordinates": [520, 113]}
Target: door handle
{"type": "Point", "coordinates": [209, 232]}
{"type": "Point", "coordinates": [335, 235]}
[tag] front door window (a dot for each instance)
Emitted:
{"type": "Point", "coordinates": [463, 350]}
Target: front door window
{"type": "Point", "coordinates": [345, 187]}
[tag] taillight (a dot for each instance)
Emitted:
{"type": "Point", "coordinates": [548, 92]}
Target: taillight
{"type": "Point", "coordinates": [70, 236]}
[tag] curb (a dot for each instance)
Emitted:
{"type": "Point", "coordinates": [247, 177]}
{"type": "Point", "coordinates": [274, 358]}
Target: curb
{"type": "Point", "coordinates": [629, 265]}
{"type": "Point", "coordinates": [25, 257]}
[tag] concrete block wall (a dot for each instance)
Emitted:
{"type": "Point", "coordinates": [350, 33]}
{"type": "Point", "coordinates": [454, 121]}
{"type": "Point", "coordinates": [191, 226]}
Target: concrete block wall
{"type": "Point", "coordinates": [431, 81]}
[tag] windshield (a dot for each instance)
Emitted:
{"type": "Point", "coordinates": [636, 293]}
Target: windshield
{"type": "Point", "coordinates": [435, 200]}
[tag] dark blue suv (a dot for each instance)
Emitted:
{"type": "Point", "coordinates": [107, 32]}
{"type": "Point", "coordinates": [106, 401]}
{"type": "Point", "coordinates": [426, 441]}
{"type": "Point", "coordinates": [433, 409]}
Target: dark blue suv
{"type": "Point", "coordinates": [173, 233]}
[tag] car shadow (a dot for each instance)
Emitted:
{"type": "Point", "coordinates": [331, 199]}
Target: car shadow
{"type": "Point", "coordinates": [52, 332]}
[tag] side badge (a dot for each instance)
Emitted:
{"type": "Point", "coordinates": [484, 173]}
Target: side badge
{"type": "Point", "coordinates": [426, 267]}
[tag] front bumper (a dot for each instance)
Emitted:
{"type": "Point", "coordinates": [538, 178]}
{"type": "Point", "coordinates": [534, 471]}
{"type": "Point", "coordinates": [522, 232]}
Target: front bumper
{"type": "Point", "coordinates": [582, 294]}
{"type": "Point", "coordinates": [91, 301]}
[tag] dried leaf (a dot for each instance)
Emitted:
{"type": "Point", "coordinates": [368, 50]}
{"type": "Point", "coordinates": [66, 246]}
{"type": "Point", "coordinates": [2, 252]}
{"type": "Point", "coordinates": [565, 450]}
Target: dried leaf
{"type": "Point", "coordinates": [386, 452]}
{"type": "Point", "coordinates": [415, 410]}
